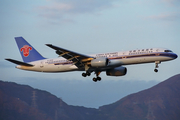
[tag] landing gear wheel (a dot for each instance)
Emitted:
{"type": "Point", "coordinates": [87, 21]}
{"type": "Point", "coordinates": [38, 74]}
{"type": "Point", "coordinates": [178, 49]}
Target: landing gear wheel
{"type": "Point", "coordinates": [88, 74]}
{"type": "Point", "coordinates": [84, 74]}
{"type": "Point", "coordinates": [98, 78]}
{"type": "Point", "coordinates": [95, 79]}
{"type": "Point", "coordinates": [155, 70]}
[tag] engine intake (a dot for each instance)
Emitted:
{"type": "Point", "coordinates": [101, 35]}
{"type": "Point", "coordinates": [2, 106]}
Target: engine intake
{"type": "Point", "coordinates": [99, 62]}
{"type": "Point", "coordinates": [119, 71]}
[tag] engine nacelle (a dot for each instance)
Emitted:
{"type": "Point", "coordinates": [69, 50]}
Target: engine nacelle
{"type": "Point", "coordinates": [119, 71]}
{"type": "Point", "coordinates": [99, 62]}
{"type": "Point", "coordinates": [114, 63]}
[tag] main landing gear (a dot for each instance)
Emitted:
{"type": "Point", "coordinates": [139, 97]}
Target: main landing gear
{"type": "Point", "coordinates": [157, 62]}
{"type": "Point", "coordinates": [95, 79]}
{"type": "Point", "coordinates": [86, 74]}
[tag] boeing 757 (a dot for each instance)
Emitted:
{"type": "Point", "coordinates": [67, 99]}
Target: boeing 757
{"type": "Point", "coordinates": [112, 63]}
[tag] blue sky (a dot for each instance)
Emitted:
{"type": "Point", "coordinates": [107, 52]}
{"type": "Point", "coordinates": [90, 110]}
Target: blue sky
{"type": "Point", "coordinates": [90, 27]}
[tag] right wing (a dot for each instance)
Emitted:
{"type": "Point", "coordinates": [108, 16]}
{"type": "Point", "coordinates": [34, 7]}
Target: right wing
{"type": "Point", "coordinates": [78, 59]}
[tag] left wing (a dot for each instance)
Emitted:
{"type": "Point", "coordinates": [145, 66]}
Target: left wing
{"type": "Point", "coordinates": [78, 59]}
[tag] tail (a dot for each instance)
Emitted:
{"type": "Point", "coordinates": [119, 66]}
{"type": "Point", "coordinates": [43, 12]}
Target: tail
{"type": "Point", "coordinates": [28, 53]}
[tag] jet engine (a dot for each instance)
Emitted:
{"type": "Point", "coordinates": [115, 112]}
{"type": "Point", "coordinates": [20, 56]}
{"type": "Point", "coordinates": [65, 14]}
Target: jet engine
{"type": "Point", "coordinates": [99, 62]}
{"type": "Point", "coordinates": [118, 71]}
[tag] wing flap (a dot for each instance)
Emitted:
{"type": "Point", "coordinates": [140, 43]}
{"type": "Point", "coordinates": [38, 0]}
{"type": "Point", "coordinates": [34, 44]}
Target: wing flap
{"type": "Point", "coordinates": [77, 58]}
{"type": "Point", "coordinates": [61, 51]}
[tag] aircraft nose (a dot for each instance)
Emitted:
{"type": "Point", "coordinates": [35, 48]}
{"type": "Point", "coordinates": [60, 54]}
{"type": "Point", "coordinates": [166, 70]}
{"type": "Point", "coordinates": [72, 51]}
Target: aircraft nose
{"type": "Point", "coordinates": [175, 56]}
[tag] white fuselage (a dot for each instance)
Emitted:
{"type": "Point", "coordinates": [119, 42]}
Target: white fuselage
{"type": "Point", "coordinates": [117, 58]}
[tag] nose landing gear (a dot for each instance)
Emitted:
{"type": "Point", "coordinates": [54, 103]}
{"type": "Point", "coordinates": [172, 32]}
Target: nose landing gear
{"type": "Point", "coordinates": [155, 70]}
{"type": "Point", "coordinates": [157, 62]}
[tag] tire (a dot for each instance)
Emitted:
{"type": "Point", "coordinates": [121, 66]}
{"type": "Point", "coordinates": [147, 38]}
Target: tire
{"type": "Point", "coordinates": [95, 79]}
{"type": "Point", "coordinates": [155, 70]}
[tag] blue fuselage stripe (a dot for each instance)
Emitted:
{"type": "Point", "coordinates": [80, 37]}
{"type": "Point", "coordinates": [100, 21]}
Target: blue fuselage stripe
{"type": "Point", "coordinates": [162, 54]}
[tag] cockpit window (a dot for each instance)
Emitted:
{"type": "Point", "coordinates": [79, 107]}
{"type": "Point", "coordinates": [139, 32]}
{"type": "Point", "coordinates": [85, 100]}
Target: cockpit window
{"type": "Point", "coordinates": [167, 51]}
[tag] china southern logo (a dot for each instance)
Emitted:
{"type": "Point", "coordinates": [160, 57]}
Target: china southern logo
{"type": "Point", "coordinates": [26, 49]}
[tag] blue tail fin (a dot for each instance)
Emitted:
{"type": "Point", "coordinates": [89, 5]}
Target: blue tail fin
{"type": "Point", "coordinates": [28, 53]}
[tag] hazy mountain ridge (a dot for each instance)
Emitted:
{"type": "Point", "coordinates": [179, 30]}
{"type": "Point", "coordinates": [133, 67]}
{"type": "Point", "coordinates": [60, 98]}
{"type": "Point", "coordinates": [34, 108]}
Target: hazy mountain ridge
{"type": "Point", "coordinates": [159, 102]}
{"type": "Point", "coordinates": [18, 101]}
{"type": "Point", "coordinates": [23, 102]}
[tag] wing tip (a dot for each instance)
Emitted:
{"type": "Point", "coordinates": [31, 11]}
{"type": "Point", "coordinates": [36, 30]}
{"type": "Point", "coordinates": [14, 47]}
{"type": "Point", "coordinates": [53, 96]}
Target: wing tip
{"type": "Point", "coordinates": [8, 59]}
{"type": "Point", "coordinates": [48, 45]}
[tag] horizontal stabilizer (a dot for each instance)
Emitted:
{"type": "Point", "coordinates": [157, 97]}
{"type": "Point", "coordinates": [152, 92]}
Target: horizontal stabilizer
{"type": "Point", "coordinates": [19, 62]}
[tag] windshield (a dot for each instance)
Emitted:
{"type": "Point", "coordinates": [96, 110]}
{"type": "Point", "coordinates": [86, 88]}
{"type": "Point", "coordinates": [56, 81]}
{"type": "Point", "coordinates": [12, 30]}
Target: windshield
{"type": "Point", "coordinates": [167, 51]}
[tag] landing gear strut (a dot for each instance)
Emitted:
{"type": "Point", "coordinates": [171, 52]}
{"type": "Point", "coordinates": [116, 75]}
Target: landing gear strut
{"type": "Point", "coordinates": [157, 62]}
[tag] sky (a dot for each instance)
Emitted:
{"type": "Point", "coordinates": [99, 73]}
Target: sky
{"type": "Point", "coordinates": [90, 27]}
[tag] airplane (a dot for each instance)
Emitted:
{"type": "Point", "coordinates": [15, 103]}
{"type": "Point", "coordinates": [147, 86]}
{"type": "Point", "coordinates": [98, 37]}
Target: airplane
{"type": "Point", "coordinates": [112, 63]}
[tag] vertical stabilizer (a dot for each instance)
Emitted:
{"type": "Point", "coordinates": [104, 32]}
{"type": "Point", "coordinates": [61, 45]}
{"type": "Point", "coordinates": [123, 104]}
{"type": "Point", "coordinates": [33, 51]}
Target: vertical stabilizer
{"type": "Point", "coordinates": [28, 53]}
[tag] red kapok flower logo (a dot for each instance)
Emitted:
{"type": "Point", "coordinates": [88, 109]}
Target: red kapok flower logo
{"type": "Point", "coordinates": [25, 49]}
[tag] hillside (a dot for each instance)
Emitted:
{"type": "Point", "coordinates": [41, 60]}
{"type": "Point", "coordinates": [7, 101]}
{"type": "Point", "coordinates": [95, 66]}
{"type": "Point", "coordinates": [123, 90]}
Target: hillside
{"type": "Point", "coordinates": [20, 102]}
{"type": "Point", "coordinates": [161, 102]}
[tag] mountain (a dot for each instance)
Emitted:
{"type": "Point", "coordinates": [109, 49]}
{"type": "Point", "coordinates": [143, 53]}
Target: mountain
{"type": "Point", "coordinates": [161, 102]}
{"type": "Point", "coordinates": [22, 102]}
